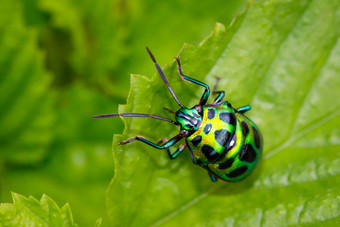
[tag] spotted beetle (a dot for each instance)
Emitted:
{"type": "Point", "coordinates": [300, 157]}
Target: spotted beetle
{"type": "Point", "coordinates": [220, 138]}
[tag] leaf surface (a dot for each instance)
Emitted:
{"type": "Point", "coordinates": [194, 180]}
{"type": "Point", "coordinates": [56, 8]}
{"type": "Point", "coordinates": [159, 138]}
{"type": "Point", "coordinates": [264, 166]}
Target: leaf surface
{"type": "Point", "coordinates": [281, 57]}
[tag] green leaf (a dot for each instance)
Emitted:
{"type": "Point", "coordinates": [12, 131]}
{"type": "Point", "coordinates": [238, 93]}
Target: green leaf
{"type": "Point", "coordinates": [26, 103]}
{"type": "Point", "coordinates": [282, 57]}
{"type": "Point", "coordinates": [31, 212]}
{"type": "Point", "coordinates": [80, 166]}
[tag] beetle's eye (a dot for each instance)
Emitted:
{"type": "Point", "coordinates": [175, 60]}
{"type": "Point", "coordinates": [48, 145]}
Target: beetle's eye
{"type": "Point", "coordinates": [184, 132]}
{"type": "Point", "coordinates": [199, 109]}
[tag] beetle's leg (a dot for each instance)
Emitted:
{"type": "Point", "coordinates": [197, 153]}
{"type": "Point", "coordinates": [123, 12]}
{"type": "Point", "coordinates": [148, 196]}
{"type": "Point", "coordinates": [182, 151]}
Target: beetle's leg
{"type": "Point", "coordinates": [179, 150]}
{"type": "Point", "coordinates": [243, 109]}
{"type": "Point", "coordinates": [206, 93]}
{"type": "Point", "coordinates": [166, 145]}
{"type": "Point", "coordinates": [220, 94]}
{"type": "Point", "coordinates": [191, 153]}
{"type": "Point", "coordinates": [219, 97]}
{"type": "Point", "coordinates": [212, 177]}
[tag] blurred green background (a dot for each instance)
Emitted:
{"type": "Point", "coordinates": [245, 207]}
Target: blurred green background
{"type": "Point", "coordinates": [62, 62]}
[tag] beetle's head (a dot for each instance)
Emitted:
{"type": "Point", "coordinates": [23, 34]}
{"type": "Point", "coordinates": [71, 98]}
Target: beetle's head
{"type": "Point", "coordinates": [190, 119]}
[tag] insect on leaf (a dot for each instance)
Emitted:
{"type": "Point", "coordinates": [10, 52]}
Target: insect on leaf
{"type": "Point", "coordinates": [282, 58]}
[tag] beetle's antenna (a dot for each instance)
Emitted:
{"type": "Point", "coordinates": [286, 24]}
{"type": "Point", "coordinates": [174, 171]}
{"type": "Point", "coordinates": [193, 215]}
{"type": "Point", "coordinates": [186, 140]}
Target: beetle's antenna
{"type": "Point", "coordinates": [160, 72]}
{"type": "Point", "coordinates": [170, 111]}
{"type": "Point", "coordinates": [136, 115]}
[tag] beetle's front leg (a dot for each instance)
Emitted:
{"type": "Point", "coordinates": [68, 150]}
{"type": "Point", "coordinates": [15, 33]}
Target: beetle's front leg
{"type": "Point", "coordinates": [178, 151]}
{"type": "Point", "coordinates": [206, 93]}
{"type": "Point", "coordinates": [220, 94]}
{"type": "Point", "coordinates": [166, 145]}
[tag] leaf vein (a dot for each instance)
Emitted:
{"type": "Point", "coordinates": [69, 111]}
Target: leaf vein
{"type": "Point", "coordinates": [182, 208]}
{"type": "Point", "coordinates": [312, 85]}
{"type": "Point", "coordinates": [302, 133]}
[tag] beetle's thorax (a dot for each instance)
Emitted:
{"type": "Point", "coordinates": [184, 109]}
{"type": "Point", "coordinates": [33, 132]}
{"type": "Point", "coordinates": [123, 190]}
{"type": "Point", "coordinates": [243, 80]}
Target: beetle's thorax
{"type": "Point", "coordinates": [189, 119]}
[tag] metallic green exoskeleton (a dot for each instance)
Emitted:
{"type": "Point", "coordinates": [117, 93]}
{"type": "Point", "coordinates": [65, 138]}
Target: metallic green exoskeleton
{"type": "Point", "coordinates": [220, 138]}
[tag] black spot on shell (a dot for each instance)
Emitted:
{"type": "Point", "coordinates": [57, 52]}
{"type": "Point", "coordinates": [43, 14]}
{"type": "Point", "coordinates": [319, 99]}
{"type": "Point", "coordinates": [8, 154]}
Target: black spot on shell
{"type": "Point", "coordinates": [207, 128]}
{"type": "Point", "coordinates": [257, 138]}
{"type": "Point", "coordinates": [197, 140]}
{"type": "Point", "coordinates": [211, 113]}
{"type": "Point", "coordinates": [210, 153]}
{"type": "Point", "coordinates": [226, 164]}
{"type": "Point", "coordinates": [237, 172]}
{"type": "Point", "coordinates": [228, 118]}
{"type": "Point", "coordinates": [247, 153]}
{"type": "Point", "coordinates": [222, 136]}
{"type": "Point", "coordinates": [245, 128]}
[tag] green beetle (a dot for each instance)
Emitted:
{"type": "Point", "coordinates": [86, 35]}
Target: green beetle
{"type": "Point", "coordinates": [220, 138]}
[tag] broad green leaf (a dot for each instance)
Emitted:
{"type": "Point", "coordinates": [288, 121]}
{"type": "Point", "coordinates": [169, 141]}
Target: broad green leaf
{"type": "Point", "coordinates": [26, 116]}
{"type": "Point", "coordinates": [31, 212]}
{"type": "Point", "coordinates": [282, 57]}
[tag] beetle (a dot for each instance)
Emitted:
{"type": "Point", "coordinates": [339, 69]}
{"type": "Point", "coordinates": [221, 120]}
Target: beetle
{"type": "Point", "coordinates": [220, 138]}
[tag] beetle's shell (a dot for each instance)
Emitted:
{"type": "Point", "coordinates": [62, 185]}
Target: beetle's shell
{"type": "Point", "coordinates": [227, 144]}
